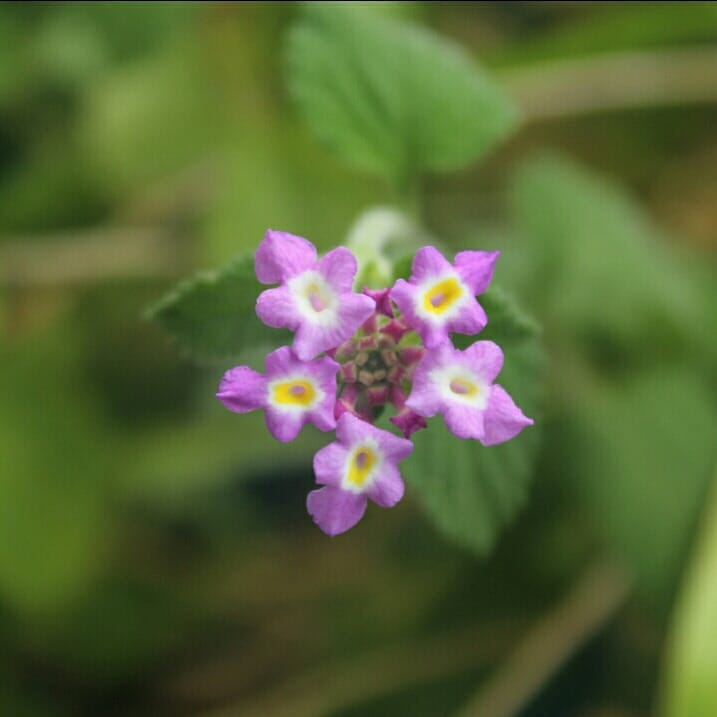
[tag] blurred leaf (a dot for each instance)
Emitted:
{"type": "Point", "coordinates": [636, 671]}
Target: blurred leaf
{"type": "Point", "coordinates": [471, 492]}
{"type": "Point", "coordinates": [52, 188]}
{"type": "Point", "coordinates": [212, 317]}
{"type": "Point", "coordinates": [617, 301]}
{"type": "Point", "coordinates": [153, 117]}
{"type": "Point", "coordinates": [21, 701]}
{"type": "Point", "coordinates": [691, 669]}
{"type": "Point", "coordinates": [641, 460]}
{"type": "Point", "coordinates": [271, 173]}
{"type": "Point", "coordinates": [170, 465]}
{"type": "Point", "coordinates": [391, 97]}
{"type": "Point", "coordinates": [67, 50]}
{"type": "Point", "coordinates": [598, 268]}
{"type": "Point", "coordinates": [120, 630]}
{"type": "Point", "coordinates": [54, 479]}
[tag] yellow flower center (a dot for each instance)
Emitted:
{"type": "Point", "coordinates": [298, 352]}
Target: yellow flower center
{"type": "Point", "coordinates": [442, 295]}
{"type": "Point", "coordinates": [463, 387]}
{"type": "Point", "coordinates": [362, 462]}
{"type": "Point", "coordinates": [294, 393]}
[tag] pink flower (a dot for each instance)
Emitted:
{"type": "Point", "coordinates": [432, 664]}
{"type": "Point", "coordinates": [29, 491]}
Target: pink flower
{"type": "Point", "coordinates": [375, 356]}
{"type": "Point", "coordinates": [315, 298]}
{"type": "Point", "coordinates": [459, 385]}
{"type": "Point", "coordinates": [359, 466]}
{"type": "Point", "coordinates": [439, 298]}
{"type": "Point", "coordinates": [292, 393]}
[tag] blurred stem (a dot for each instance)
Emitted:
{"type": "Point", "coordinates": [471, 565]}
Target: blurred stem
{"type": "Point", "coordinates": [545, 647]}
{"type": "Point", "coordinates": [551, 643]}
{"type": "Point", "coordinates": [90, 256]}
{"type": "Point", "coordinates": [349, 682]}
{"type": "Point", "coordinates": [562, 88]}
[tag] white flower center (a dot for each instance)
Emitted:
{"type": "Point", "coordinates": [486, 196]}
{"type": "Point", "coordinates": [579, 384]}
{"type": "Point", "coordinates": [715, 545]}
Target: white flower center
{"type": "Point", "coordinates": [315, 298]}
{"type": "Point", "coordinates": [459, 384]}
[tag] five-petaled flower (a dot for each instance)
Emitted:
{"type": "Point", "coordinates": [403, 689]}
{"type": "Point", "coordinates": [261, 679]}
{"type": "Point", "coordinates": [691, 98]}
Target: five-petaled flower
{"type": "Point", "coordinates": [459, 385]}
{"type": "Point", "coordinates": [292, 392]}
{"type": "Point", "coordinates": [360, 465]}
{"type": "Point", "coordinates": [439, 298]}
{"type": "Point", "coordinates": [382, 347]}
{"type": "Point", "coordinates": [315, 298]}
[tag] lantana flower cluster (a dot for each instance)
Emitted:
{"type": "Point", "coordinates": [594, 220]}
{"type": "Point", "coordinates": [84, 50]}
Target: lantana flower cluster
{"type": "Point", "coordinates": [355, 354]}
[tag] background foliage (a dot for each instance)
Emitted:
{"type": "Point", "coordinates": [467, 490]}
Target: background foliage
{"type": "Point", "coordinates": [155, 555]}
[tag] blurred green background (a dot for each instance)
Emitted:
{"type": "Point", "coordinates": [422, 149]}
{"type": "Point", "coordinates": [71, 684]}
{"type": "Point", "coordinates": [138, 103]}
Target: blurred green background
{"type": "Point", "coordinates": [155, 553]}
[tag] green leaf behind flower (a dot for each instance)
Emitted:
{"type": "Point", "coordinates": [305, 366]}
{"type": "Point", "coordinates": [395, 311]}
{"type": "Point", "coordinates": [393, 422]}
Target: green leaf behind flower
{"type": "Point", "coordinates": [469, 491]}
{"type": "Point", "coordinates": [212, 316]}
{"type": "Point", "coordinates": [629, 320]}
{"type": "Point", "coordinates": [391, 97]}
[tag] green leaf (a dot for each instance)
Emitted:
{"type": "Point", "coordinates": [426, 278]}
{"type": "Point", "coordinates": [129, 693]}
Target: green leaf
{"type": "Point", "coordinates": [691, 667]}
{"type": "Point", "coordinates": [55, 478]}
{"type": "Point", "coordinates": [212, 317]}
{"type": "Point", "coordinates": [391, 97]}
{"type": "Point", "coordinates": [471, 492]}
{"type": "Point", "coordinates": [641, 458]}
{"type": "Point", "coordinates": [596, 266]}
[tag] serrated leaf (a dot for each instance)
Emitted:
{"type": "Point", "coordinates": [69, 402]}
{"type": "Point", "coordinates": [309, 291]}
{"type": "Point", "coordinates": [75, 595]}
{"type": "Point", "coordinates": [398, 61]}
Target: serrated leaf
{"type": "Point", "coordinates": [213, 317]}
{"type": "Point", "coordinates": [391, 97]}
{"type": "Point", "coordinates": [471, 492]}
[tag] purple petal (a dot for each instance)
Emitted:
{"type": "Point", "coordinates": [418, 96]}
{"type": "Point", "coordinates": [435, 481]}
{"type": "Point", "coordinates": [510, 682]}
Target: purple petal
{"type": "Point", "coordinates": [428, 262]}
{"type": "Point", "coordinates": [434, 336]}
{"type": "Point", "coordinates": [282, 255]}
{"type": "Point", "coordinates": [393, 448]}
{"type": "Point", "coordinates": [276, 308]}
{"type": "Point", "coordinates": [242, 389]}
{"type": "Point", "coordinates": [280, 362]}
{"type": "Point", "coordinates": [283, 361]}
{"type": "Point", "coordinates": [312, 339]}
{"type": "Point", "coordinates": [354, 309]}
{"type": "Point", "coordinates": [464, 421]}
{"type": "Point", "coordinates": [284, 426]}
{"type": "Point", "coordinates": [404, 295]}
{"type": "Point", "coordinates": [470, 320]}
{"type": "Point", "coordinates": [351, 430]}
{"type": "Point", "coordinates": [325, 370]}
{"type": "Point", "coordinates": [476, 268]}
{"type": "Point", "coordinates": [323, 415]}
{"type": "Point", "coordinates": [388, 487]}
{"type": "Point", "coordinates": [330, 464]}
{"type": "Point", "coordinates": [334, 510]}
{"type": "Point", "coordinates": [339, 268]}
{"type": "Point", "coordinates": [484, 358]}
{"type": "Point", "coordinates": [426, 398]}
{"type": "Point", "coordinates": [503, 419]}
